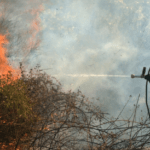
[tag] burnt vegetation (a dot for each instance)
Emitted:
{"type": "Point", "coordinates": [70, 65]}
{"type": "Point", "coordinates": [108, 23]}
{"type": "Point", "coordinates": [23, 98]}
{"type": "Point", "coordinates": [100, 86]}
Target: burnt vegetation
{"type": "Point", "coordinates": [36, 114]}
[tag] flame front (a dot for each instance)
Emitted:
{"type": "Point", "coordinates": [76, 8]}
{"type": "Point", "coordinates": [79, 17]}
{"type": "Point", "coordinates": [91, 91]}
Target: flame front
{"type": "Point", "coordinates": [4, 65]}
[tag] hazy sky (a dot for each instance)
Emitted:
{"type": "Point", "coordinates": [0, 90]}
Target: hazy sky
{"type": "Point", "coordinates": [96, 37]}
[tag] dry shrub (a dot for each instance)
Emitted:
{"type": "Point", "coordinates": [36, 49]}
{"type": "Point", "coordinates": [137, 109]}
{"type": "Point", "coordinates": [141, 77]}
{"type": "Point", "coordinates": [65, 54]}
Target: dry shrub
{"type": "Point", "coordinates": [66, 120]}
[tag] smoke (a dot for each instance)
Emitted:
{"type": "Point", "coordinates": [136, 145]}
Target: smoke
{"type": "Point", "coordinates": [82, 37]}
{"type": "Point", "coordinates": [20, 22]}
{"type": "Point", "coordinates": [97, 37]}
{"type": "Point", "coordinates": [85, 37]}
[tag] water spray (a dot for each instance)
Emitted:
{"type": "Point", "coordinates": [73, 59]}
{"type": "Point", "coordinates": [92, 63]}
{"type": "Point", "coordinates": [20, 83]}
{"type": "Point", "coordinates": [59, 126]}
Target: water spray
{"type": "Point", "coordinates": [147, 78]}
{"type": "Point", "coordinates": [93, 75]}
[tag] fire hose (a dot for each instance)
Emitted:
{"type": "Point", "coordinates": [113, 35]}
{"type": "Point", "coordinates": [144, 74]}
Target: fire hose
{"type": "Point", "coordinates": [147, 78]}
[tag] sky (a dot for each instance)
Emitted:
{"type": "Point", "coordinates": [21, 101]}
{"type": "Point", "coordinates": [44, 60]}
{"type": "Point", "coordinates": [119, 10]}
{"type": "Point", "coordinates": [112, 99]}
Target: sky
{"type": "Point", "coordinates": [99, 37]}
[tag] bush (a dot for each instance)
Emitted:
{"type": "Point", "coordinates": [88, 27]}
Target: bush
{"type": "Point", "coordinates": [16, 115]}
{"type": "Point", "coordinates": [37, 114]}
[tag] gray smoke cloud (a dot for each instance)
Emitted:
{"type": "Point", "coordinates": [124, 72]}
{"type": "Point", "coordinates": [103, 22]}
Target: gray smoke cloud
{"type": "Point", "coordinates": [98, 37]}
{"type": "Point", "coordinates": [85, 37]}
{"type": "Point", "coordinates": [20, 22]}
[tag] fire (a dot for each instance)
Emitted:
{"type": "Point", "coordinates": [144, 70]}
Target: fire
{"type": "Point", "coordinates": [4, 65]}
{"type": "Point", "coordinates": [30, 12]}
{"type": "Point", "coordinates": [34, 40]}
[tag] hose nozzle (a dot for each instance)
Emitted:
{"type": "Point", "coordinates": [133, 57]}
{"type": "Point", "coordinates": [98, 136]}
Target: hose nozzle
{"type": "Point", "coordinates": [134, 76]}
{"type": "Point", "coordinates": [141, 76]}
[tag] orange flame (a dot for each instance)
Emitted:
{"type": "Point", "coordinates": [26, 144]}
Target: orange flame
{"type": "Point", "coordinates": [4, 65]}
{"type": "Point", "coordinates": [34, 41]}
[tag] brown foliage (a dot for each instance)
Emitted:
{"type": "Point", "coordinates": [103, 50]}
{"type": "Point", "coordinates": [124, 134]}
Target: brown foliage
{"type": "Point", "coordinates": [69, 121]}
